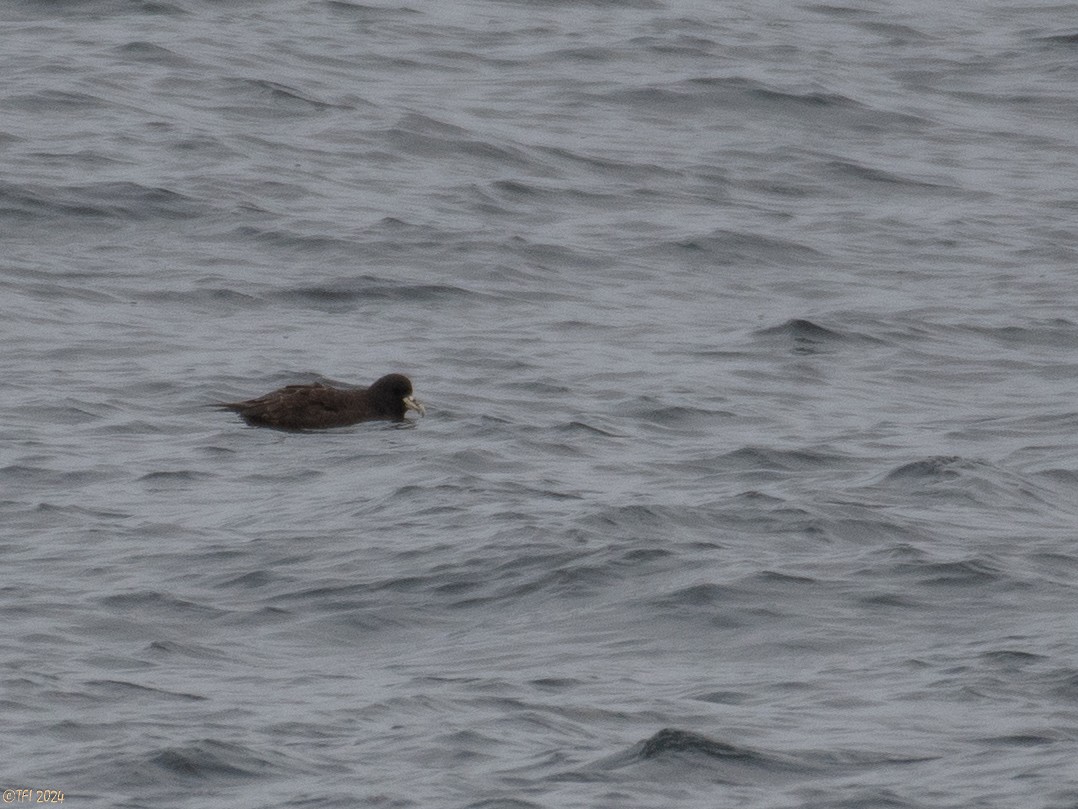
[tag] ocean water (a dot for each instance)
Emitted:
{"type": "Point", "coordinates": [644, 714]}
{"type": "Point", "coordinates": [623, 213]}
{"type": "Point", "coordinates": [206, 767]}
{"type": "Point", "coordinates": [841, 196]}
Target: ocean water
{"type": "Point", "coordinates": [747, 337]}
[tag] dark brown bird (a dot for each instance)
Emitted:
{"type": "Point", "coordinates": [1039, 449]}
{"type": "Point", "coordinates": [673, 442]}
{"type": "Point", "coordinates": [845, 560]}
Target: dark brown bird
{"type": "Point", "coordinates": [317, 406]}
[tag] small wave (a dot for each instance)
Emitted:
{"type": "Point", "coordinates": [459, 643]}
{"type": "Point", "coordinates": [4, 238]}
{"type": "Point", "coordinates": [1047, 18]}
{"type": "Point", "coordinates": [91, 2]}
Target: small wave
{"type": "Point", "coordinates": [669, 741]}
{"type": "Point", "coordinates": [1060, 39]}
{"type": "Point", "coordinates": [557, 683]}
{"type": "Point", "coordinates": [53, 101]}
{"type": "Point", "coordinates": [169, 648]}
{"type": "Point", "coordinates": [503, 803]}
{"type": "Point", "coordinates": [968, 480]}
{"type": "Point", "coordinates": [889, 601]}
{"type": "Point", "coordinates": [813, 98]}
{"type": "Point", "coordinates": [695, 596]}
{"type": "Point", "coordinates": [939, 467]}
{"type": "Point", "coordinates": [151, 53]}
{"type": "Point", "coordinates": [207, 296]}
{"type": "Point", "coordinates": [284, 98]}
{"type": "Point", "coordinates": [727, 247]}
{"type": "Point", "coordinates": [603, 165]}
{"type": "Point", "coordinates": [1024, 739]}
{"type": "Point", "coordinates": [123, 690]}
{"type": "Point", "coordinates": [346, 294]}
{"type": "Point", "coordinates": [1064, 683]}
{"type": "Point", "coordinates": [209, 759]}
{"type": "Point", "coordinates": [19, 474]}
{"type": "Point", "coordinates": [152, 602]}
{"type": "Point", "coordinates": [429, 138]}
{"type": "Point", "coordinates": [801, 102]}
{"type": "Point", "coordinates": [99, 9]}
{"type": "Point", "coordinates": [254, 579]}
{"type": "Point", "coordinates": [759, 459]}
{"type": "Point", "coordinates": [84, 513]}
{"type": "Point", "coordinates": [709, 595]}
{"type": "Point", "coordinates": [1058, 334]}
{"type": "Point", "coordinates": [677, 415]}
{"type": "Point", "coordinates": [896, 33]}
{"type": "Point", "coordinates": [649, 518]}
{"type": "Point", "coordinates": [683, 45]}
{"type": "Point", "coordinates": [738, 94]}
{"type": "Point", "coordinates": [133, 201]}
{"type": "Point", "coordinates": [724, 697]}
{"type": "Point", "coordinates": [174, 476]}
{"type": "Point", "coordinates": [803, 332]}
{"type": "Point", "coordinates": [857, 171]}
{"type": "Point", "coordinates": [529, 192]}
{"type": "Point", "coordinates": [280, 239]}
{"type": "Point", "coordinates": [673, 746]}
{"type": "Point", "coordinates": [579, 426]}
{"type": "Point", "coordinates": [975, 571]}
{"type": "Point", "coordinates": [1010, 658]}
{"type": "Point", "coordinates": [369, 13]}
{"type": "Point", "coordinates": [809, 337]}
{"type": "Point", "coordinates": [125, 201]}
{"type": "Point", "coordinates": [616, 5]}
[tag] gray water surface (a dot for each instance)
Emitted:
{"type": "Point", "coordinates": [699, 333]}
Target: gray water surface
{"type": "Point", "coordinates": [746, 333]}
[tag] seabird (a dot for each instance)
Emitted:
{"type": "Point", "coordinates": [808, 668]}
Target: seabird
{"type": "Point", "coordinates": [317, 406]}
